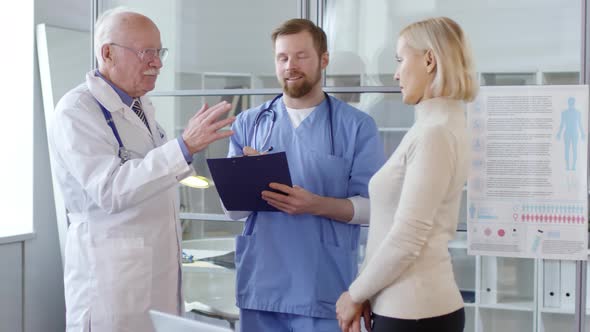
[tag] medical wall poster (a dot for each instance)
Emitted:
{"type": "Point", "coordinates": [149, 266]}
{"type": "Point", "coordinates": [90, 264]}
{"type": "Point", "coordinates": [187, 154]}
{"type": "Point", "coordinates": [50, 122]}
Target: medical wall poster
{"type": "Point", "coordinates": [527, 190]}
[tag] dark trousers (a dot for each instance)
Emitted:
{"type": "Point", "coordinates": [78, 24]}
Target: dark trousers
{"type": "Point", "coordinates": [453, 322]}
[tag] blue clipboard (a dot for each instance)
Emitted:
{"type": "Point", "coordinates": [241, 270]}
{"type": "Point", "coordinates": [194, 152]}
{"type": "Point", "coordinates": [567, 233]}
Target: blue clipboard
{"type": "Point", "coordinates": [241, 180]}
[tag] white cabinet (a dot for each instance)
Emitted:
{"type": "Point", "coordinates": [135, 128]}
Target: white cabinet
{"type": "Point", "coordinates": [557, 295]}
{"type": "Point", "coordinates": [498, 292]}
{"type": "Point", "coordinates": [515, 294]}
{"type": "Point", "coordinates": [506, 289]}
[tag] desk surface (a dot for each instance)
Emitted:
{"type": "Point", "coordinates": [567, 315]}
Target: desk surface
{"type": "Point", "coordinates": [229, 312]}
{"type": "Point", "coordinates": [209, 289]}
{"type": "Point", "coordinates": [200, 254]}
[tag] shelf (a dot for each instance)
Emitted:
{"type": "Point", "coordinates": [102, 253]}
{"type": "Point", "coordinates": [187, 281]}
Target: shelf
{"type": "Point", "coordinates": [200, 266]}
{"type": "Point", "coordinates": [459, 242]}
{"type": "Point", "coordinates": [512, 306]}
{"type": "Point", "coordinates": [508, 78]}
{"type": "Point", "coordinates": [561, 77]}
{"type": "Point", "coordinates": [226, 75]}
{"type": "Point", "coordinates": [457, 245]}
{"type": "Point", "coordinates": [557, 310]}
{"type": "Point", "coordinates": [563, 311]}
{"type": "Point", "coordinates": [530, 78]}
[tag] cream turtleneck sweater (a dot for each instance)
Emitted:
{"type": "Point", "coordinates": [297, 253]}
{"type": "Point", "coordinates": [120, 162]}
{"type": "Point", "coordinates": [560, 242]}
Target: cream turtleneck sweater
{"type": "Point", "coordinates": [415, 200]}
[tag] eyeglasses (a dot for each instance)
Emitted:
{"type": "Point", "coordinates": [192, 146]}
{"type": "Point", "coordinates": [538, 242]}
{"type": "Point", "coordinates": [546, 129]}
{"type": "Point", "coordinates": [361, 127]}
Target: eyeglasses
{"type": "Point", "coordinates": [147, 54]}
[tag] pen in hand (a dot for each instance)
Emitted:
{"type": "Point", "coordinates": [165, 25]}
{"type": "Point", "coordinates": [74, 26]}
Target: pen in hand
{"type": "Point", "coordinates": [249, 151]}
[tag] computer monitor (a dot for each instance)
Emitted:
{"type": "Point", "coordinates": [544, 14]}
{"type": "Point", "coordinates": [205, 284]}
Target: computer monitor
{"type": "Point", "coordinates": [164, 322]}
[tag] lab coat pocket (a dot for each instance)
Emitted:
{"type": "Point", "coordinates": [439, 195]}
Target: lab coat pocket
{"type": "Point", "coordinates": [123, 277]}
{"type": "Point", "coordinates": [336, 269]}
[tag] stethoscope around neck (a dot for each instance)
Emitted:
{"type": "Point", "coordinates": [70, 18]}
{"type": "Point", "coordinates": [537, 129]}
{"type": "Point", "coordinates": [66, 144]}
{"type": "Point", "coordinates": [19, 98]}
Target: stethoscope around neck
{"type": "Point", "coordinates": [273, 114]}
{"type": "Point", "coordinates": [124, 154]}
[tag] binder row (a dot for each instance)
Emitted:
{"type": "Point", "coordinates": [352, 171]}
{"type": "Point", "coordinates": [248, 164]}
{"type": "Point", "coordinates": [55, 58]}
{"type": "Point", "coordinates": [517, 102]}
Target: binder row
{"type": "Point", "coordinates": [559, 282]}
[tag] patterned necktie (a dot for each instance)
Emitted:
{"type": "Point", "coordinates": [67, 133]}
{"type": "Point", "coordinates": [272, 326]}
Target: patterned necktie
{"type": "Point", "coordinates": [136, 107]}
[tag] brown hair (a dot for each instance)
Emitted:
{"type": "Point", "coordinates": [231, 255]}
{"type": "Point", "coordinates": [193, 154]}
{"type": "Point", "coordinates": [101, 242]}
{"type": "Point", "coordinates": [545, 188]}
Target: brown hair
{"type": "Point", "coordinates": [297, 25]}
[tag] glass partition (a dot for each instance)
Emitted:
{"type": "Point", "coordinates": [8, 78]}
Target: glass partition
{"type": "Point", "coordinates": [508, 37]}
{"type": "Point", "coordinates": [214, 38]}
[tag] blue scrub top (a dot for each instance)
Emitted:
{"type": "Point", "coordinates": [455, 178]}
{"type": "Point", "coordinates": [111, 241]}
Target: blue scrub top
{"type": "Point", "coordinates": [301, 264]}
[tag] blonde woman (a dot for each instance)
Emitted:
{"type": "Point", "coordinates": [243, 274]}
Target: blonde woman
{"type": "Point", "coordinates": [407, 278]}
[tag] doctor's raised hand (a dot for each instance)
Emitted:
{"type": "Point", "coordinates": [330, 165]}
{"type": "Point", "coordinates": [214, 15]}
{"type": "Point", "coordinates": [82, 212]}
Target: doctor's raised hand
{"type": "Point", "coordinates": [204, 128]}
{"type": "Point", "coordinates": [119, 172]}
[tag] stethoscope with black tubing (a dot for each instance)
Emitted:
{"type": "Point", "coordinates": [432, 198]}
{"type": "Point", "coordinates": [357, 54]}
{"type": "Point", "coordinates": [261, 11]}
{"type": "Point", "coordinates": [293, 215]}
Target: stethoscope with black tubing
{"type": "Point", "coordinates": [268, 111]}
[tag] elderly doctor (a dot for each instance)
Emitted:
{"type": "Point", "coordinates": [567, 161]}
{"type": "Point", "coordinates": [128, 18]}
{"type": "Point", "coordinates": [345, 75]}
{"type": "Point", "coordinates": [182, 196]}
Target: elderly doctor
{"type": "Point", "coordinates": [118, 173]}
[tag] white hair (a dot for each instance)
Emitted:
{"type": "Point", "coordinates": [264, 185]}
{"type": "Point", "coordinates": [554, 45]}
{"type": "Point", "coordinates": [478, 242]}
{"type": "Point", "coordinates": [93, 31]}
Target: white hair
{"type": "Point", "coordinates": [103, 29]}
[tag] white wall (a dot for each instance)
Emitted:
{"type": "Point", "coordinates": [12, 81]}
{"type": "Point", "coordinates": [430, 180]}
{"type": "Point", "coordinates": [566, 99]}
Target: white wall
{"type": "Point", "coordinates": [31, 291]}
{"type": "Point", "coordinates": [44, 306]}
{"type": "Point", "coordinates": [11, 274]}
{"type": "Point", "coordinates": [73, 14]}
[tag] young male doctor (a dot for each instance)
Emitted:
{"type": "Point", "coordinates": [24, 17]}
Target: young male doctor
{"type": "Point", "coordinates": [292, 265]}
{"type": "Point", "coordinates": [118, 173]}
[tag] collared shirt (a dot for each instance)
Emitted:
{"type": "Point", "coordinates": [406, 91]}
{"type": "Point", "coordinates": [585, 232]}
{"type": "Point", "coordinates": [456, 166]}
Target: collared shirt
{"type": "Point", "coordinates": [128, 100]}
{"type": "Point", "coordinates": [125, 98]}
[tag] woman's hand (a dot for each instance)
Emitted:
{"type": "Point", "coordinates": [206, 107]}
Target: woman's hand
{"type": "Point", "coordinates": [348, 313]}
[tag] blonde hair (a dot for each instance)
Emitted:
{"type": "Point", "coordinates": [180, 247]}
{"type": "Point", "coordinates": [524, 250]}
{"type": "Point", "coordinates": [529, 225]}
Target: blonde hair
{"type": "Point", "coordinates": [455, 71]}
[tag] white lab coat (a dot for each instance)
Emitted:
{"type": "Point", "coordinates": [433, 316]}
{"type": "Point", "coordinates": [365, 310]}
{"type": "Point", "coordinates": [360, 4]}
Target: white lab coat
{"type": "Point", "coordinates": [122, 253]}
